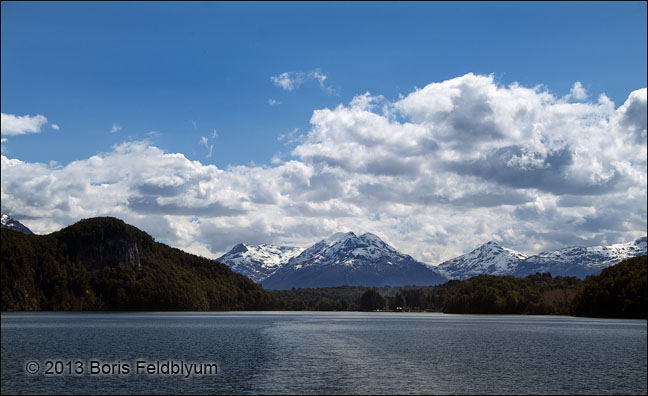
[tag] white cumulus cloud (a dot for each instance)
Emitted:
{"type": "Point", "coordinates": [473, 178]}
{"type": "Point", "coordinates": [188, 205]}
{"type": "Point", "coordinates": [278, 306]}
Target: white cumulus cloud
{"type": "Point", "coordinates": [435, 173]}
{"type": "Point", "coordinates": [578, 92]}
{"type": "Point", "coordinates": [12, 125]}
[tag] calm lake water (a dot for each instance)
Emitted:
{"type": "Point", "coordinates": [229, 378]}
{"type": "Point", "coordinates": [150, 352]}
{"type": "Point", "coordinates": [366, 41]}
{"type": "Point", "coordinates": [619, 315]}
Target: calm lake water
{"type": "Point", "coordinates": [331, 353]}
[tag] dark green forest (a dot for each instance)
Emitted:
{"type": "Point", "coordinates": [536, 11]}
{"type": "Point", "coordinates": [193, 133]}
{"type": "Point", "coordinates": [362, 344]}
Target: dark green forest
{"type": "Point", "coordinates": [535, 294]}
{"type": "Point", "coordinates": [619, 291]}
{"type": "Point", "coordinates": [105, 264]}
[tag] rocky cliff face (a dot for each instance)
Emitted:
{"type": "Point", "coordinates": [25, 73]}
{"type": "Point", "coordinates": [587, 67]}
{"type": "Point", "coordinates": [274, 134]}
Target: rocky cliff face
{"type": "Point", "coordinates": [108, 253]}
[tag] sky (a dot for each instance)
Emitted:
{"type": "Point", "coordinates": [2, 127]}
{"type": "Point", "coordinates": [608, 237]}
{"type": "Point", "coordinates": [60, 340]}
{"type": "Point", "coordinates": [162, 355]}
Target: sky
{"type": "Point", "coordinates": [436, 126]}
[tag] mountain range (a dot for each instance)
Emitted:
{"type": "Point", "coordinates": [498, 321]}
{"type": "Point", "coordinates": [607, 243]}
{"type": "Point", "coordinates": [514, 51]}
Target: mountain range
{"type": "Point", "coordinates": [581, 261]}
{"type": "Point", "coordinates": [342, 259]}
{"type": "Point", "coordinates": [493, 259]}
{"type": "Point", "coordinates": [346, 259]}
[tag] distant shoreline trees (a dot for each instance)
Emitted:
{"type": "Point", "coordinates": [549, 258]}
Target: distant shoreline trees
{"type": "Point", "coordinates": [618, 292]}
{"type": "Point", "coordinates": [371, 300]}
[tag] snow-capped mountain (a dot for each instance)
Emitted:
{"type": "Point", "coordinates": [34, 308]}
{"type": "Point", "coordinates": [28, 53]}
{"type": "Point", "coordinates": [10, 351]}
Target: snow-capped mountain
{"type": "Point", "coordinates": [488, 259]}
{"type": "Point", "coordinates": [581, 261]}
{"type": "Point", "coordinates": [346, 259]}
{"type": "Point", "coordinates": [258, 262]}
{"type": "Point", "coordinates": [7, 222]}
{"type": "Point", "coordinates": [493, 259]}
{"type": "Point", "coordinates": [345, 249]}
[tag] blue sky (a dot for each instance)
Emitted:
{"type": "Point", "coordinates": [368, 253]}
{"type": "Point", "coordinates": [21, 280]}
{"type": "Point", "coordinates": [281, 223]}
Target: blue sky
{"type": "Point", "coordinates": [204, 80]}
{"type": "Point", "coordinates": [165, 66]}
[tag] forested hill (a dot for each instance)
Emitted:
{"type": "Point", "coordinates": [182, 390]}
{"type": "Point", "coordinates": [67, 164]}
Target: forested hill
{"type": "Point", "coordinates": [105, 264]}
{"type": "Point", "coordinates": [620, 291]}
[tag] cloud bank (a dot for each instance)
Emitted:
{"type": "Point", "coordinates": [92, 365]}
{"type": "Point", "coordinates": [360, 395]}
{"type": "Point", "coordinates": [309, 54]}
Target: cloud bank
{"type": "Point", "coordinates": [435, 173]}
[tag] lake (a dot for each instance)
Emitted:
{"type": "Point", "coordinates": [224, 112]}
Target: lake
{"type": "Point", "coordinates": [315, 353]}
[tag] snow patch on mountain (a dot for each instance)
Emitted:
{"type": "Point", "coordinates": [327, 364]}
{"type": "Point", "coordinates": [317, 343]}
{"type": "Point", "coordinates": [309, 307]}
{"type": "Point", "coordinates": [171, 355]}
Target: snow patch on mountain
{"type": "Point", "coordinates": [581, 261]}
{"type": "Point", "coordinates": [347, 249]}
{"type": "Point", "coordinates": [347, 259]}
{"type": "Point", "coordinates": [258, 262]}
{"type": "Point", "coordinates": [493, 259]}
{"type": "Point", "coordinates": [488, 259]}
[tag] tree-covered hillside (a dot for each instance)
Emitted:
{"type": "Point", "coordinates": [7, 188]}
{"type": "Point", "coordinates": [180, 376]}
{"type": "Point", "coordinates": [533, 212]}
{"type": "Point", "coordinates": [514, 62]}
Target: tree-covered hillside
{"type": "Point", "coordinates": [105, 264]}
{"type": "Point", "coordinates": [535, 294]}
{"type": "Point", "coordinates": [620, 291]}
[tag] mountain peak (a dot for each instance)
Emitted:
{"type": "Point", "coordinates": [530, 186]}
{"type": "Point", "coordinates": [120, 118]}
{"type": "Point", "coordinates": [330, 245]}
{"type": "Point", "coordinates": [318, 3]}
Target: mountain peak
{"type": "Point", "coordinates": [339, 237]}
{"type": "Point", "coordinates": [258, 262]}
{"type": "Point", "coordinates": [370, 236]}
{"type": "Point", "coordinates": [346, 259]}
{"type": "Point", "coordinates": [240, 248]}
{"type": "Point", "coordinates": [8, 222]}
{"type": "Point", "coordinates": [490, 258]}
{"type": "Point", "coordinates": [345, 248]}
{"type": "Point", "coordinates": [491, 244]}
